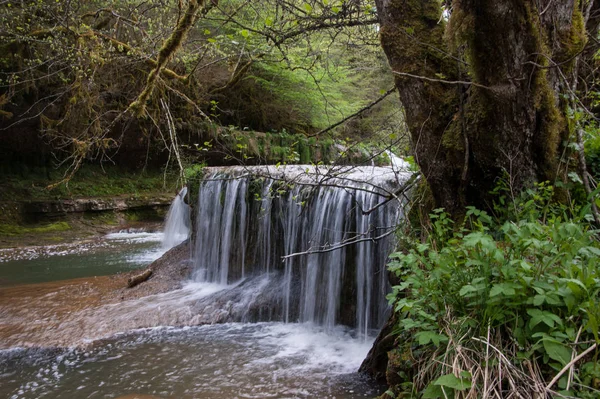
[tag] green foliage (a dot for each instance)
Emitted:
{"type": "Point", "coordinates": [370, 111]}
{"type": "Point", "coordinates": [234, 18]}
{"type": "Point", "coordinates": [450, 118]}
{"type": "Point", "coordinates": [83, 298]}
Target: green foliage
{"type": "Point", "coordinates": [531, 284]}
{"type": "Point", "coordinates": [15, 230]}
{"type": "Point", "coordinates": [592, 152]}
{"type": "Point", "coordinates": [91, 181]}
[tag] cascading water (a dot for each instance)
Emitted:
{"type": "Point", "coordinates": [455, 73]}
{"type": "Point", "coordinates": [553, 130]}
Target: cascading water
{"type": "Point", "coordinates": [249, 219]}
{"type": "Point", "coordinates": [398, 164]}
{"type": "Point", "coordinates": [177, 224]}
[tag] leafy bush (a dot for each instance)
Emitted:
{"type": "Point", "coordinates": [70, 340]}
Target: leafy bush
{"type": "Point", "coordinates": [592, 155]}
{"type": "Point", "coordinates": [496, 308]}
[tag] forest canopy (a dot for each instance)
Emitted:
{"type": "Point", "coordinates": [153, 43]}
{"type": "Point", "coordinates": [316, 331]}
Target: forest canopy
{"type": "Point", "coordinates": [81, 76]}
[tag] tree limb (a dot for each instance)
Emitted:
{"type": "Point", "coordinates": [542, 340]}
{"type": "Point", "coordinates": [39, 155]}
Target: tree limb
{"type": "Point", "coordinates": [357, 113]}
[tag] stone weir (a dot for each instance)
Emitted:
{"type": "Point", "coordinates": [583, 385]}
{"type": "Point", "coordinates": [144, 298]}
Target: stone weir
{"type": "Point", "coordinates": [321, 236]}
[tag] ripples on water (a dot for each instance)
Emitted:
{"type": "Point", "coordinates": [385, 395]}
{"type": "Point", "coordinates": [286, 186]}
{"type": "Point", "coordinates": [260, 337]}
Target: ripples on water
{"type": "Point", "coordinates": [264, 360]}
{"type": "Point", "coordinates": [236, 360]}
{"type": "Point", "coordinates": [116, 252]}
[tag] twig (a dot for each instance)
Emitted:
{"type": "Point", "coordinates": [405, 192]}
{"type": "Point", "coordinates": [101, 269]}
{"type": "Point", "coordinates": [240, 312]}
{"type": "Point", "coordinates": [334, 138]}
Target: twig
{"type": "Point", "coordinates": [341, 245]}
{"type": "Point", "coordinates": [571, 370]}
{"type": "Point", "coordinates": [487, 358]}
{"type": "Point", "coordinates": [448, 82]}
{"type": "Point", "coordinates": [568, 366]}
{"type": "Point", "coordinates": [357, 113]}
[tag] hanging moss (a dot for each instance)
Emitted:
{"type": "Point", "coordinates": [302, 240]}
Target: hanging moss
{"type": "Point", "coordinates": [573, 43]}
{"type": "Point", "coordinates": [168, 49]}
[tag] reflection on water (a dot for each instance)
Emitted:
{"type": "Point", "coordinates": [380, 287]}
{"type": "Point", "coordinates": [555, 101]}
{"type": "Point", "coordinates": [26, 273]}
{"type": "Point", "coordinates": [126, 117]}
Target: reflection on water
{"type": "Point", "coordinates": [114, 253]}
{"type": "Point", "coordinates": [264, 360]}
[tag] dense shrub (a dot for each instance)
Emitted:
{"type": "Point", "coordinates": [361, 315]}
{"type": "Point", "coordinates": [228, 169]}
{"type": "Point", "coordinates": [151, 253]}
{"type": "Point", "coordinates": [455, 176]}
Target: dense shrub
{"type": "Point", "coordinates": [500, 308]}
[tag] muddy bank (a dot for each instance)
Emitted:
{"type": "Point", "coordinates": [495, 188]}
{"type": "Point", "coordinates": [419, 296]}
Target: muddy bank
{"type": "Point", "coordinates": [73, 312]}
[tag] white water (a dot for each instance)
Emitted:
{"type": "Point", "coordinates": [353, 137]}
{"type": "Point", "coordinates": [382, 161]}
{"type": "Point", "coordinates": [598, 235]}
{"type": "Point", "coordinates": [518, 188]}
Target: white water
{"type": "Point", "coordinates": [249, 219]}
{"type": "Point", "coordinates": [398, 164]}
{"type": "Point", "coordinates": [238, 253]}
{"type": "Point", "coordinates": [234, 360]}
{"type": "Point", "coordinates": [177, 223]}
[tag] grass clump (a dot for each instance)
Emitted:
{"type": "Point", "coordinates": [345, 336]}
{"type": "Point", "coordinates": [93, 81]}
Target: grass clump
{"type": "Point", "coordinates": [499, 307]}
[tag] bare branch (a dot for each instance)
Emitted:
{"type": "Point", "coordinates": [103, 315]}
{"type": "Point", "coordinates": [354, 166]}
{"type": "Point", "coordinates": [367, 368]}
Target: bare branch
{"type": "Point", "coordinates": [357, 113]}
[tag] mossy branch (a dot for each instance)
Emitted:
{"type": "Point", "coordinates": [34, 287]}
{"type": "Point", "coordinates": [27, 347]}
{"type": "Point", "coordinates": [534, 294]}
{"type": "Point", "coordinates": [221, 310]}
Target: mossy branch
{"type": "Point", "coordinates": [126, 48]}
{"type": "Point", "coordinates": [168, 49]}
{"type": "Point", "coordinates": [120, 46]}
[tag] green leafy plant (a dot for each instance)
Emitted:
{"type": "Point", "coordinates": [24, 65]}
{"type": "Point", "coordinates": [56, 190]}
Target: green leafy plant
{"type": "Point", "coordinates": [502, 306]}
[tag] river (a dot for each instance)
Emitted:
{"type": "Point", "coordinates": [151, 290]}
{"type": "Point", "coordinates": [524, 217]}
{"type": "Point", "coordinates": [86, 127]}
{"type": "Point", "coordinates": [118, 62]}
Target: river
{"type": "Point", "coordinates": [232, 360]}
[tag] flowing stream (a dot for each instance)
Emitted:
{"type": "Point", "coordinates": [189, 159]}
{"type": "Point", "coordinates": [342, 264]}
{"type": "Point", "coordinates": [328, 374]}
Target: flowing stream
{"type": "Point", "coordinates": [287, 293]}
{"type": "Point", "coordinates": [238, 360]}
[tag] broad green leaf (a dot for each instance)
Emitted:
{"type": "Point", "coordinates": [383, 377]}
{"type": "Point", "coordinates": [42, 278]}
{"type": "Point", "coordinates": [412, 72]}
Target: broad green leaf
{"type": "Point", "coordinates": [433, 392]}
{"type": "Point", "coordinates": [540, 316]}
{"type": "Point", "coordinates": [452, 381]}
{"type": "Point", "coordinates": [557, 351]}
{"type": "Point", "coordinates": [506, 289]}
{"type": "Point", "coordinates": [538, 300]}
{"type": "Point", "coordinates": [467, 289]}
{"type": "Point", "coordinates": [426, 337]}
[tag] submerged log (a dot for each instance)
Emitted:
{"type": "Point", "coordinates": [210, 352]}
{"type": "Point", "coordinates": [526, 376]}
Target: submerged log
{"type": "Point", "coordinates": [138, 279]}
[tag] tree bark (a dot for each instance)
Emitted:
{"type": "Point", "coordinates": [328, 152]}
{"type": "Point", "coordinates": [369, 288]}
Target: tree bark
{"type": "Point", "coordinates": [505, 63]}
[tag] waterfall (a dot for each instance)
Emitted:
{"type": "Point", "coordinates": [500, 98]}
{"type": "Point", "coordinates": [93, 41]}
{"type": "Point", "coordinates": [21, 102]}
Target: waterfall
{"type": "Point", "coordinates": [249, 219]}
{"type": "Point", "coordinates": [177, 224]}
{"type": "Point", "coordinates": [398, 163]}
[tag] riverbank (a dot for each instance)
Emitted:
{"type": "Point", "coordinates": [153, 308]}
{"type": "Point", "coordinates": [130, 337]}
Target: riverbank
{"type": "Point", "coordinates": [94, 202]}
{"type": "Point", "coordinates": [30, 223]}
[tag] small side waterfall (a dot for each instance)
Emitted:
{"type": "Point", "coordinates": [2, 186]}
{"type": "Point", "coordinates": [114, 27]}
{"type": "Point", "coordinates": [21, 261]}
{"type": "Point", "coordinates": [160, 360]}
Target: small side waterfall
{"type": "Point", "coordinates": [177, 224]}
{"type": "Point", "coordinates": [249, 219]}
{"type": "Point", "coordinates": [398, 164]}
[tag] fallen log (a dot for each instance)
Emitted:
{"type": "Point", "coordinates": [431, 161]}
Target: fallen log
{"type": "Point", "coordinates": [140, 278]}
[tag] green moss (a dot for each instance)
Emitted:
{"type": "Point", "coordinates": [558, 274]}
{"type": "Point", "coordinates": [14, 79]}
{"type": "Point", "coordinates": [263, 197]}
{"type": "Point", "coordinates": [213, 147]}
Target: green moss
{"type": "Point", "coordinates": [15, 230]}
{"type": "Point", "coordinates": [103, 218]}
{"type": "Point", "coordinates": [25, 184]}
{"type": "Point", "coordinates": [574, 41]}
{"type": "Point", "coordinates": [453, 137]}
{"type": "Point", "coordinates": [303, 149]}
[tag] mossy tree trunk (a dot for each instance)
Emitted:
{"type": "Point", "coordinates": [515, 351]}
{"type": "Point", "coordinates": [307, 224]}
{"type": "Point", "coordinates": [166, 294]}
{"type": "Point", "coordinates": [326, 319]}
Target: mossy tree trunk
{"type": "Point", "coordinates": [487, 92]}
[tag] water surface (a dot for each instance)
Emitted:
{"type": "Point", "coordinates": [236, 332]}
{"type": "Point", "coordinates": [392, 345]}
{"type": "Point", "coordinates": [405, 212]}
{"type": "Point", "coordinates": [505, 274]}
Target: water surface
{"type": "Point", "coordinates": [113, 253]}
{"type": "Point", "coordinates": [263, 360]}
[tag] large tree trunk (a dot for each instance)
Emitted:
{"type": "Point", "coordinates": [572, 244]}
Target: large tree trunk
{"type": "Point", "coordinates": [487, 97]}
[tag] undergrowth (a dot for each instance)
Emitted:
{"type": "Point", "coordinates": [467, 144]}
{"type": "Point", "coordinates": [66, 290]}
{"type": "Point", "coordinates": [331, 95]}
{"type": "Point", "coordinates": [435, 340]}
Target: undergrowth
{"type": "Point", "coordinates": [499, 307]}
{"type": "Point", "coordinates": [91, 181]}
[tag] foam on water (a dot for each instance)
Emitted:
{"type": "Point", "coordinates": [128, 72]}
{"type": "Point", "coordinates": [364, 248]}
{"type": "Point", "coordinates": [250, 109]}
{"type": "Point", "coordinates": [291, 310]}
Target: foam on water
{"type": "Point", "coordinates": [313, 349]}
{"type": "Point", "coordinates": [135, 236]}
{"type": "Point", "coordinates": [262, 360]}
